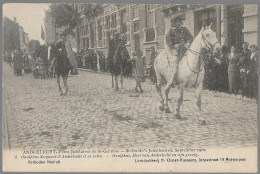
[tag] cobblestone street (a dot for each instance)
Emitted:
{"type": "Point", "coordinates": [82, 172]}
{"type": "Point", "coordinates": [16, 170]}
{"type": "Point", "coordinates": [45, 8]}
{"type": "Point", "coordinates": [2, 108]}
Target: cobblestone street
{"type": "Point", "coordinates": [93, 115]}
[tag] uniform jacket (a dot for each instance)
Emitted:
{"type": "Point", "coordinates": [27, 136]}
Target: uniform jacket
{"type": "Point", "coordinates": [178, 36]}
{"type": "Point", "coordinates": [61, 44]}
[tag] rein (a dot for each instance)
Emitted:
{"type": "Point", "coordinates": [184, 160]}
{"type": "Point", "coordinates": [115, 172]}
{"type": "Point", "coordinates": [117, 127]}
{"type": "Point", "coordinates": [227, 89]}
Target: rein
{"type": "Point", "coordinates": [209, 47]}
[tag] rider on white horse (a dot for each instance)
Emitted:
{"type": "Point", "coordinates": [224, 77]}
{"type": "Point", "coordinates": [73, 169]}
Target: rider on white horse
{"type": "Point", "coordinates": [178, 39]}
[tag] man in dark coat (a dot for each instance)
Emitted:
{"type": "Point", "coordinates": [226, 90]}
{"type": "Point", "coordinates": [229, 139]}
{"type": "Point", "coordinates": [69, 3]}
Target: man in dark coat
{"type": "Point", "coordinates": [178, 37]}
{"type": "Point", "coordinates": [113, 44]}
{"type": "Point", "coordinates": [63, 64]}
{"type": "Point", "coordinates": [243, 65]}
{"type": "Point", "coordinates": [252, 72]}
{"type": "Point", "coordinates": [152, 72]}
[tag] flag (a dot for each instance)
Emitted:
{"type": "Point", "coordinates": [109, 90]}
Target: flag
{"type": "Point", "coordinates": [42, 34]}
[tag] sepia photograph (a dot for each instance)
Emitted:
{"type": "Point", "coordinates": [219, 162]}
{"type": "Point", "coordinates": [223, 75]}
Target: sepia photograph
{"type": "Point", "coordinates": [116, 87]}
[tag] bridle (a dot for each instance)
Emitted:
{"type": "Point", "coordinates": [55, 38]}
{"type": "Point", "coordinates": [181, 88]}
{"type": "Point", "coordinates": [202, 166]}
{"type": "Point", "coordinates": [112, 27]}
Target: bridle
{"type": "Point", "coordinates": [209, 47]}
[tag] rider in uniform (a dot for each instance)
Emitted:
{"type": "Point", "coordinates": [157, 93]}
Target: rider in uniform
{"type": "Point", "coordinates": [113, 44]}
{"type": "Point", "coordinates": [178, 39]}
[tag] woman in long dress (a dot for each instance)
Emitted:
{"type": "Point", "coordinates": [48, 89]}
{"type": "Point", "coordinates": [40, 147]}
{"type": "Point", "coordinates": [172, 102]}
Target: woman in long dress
{"type": "Point", "coordinates": [233, 70]}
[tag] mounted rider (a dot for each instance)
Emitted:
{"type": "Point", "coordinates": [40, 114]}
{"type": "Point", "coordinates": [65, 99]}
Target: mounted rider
{"type": "Point", "coordinates": [113, 44]}
{"type": "Point", "coordinates": [178, 39]}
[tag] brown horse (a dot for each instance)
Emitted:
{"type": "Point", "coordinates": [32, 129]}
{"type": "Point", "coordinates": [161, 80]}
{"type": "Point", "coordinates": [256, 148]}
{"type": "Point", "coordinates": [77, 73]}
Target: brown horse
{"type": "Point", "coordinates": [62, 67]}
{"type": "Point", "coordinates": [119, 65]}
{"type": "Point", "coordinates": [190, 72]}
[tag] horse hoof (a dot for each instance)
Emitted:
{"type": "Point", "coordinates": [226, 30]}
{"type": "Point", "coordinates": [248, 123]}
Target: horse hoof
{"type": "Point", "coordinates": [167, 110]}
{"type": "Point", "coordinates": [177, 116]}
{"type": "Point", "coordinates": [117, 89]}
{"type": "Point", "coordinates": [123, 91]}
{"type": "Point", "coordinates": [202, 122]}
{"type": "Point", "coordinates": [161, 108]}
{"type": "Point", "coordinates": [61, 94]}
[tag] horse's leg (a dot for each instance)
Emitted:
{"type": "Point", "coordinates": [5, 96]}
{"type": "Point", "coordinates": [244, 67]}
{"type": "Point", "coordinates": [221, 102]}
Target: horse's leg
{"type": "Point", "coordinates": [180, 100]}
{"type": "Point", "coordinates": [159, 92]}
{"type": "Point", "coordinates": [167, 90]}
{"type": "Point", "coordinates": [116, 81]}
{"type": "Point", "coordinates": [112, 80]}
{"type": "Point", "coordinates": [58, 81]}
{"type": "Point", "coordinates": [122, 83]}
{"type": "Point", "coordinates": [198, 91]}
{"type": "Point", "coordinates": [65, 78]}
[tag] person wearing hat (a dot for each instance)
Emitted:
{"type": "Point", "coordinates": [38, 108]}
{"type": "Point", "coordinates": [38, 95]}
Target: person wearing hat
{"type": "Point", "coordinates": [138, 61]}
{"type": "Point", "coordinates": [177, 39]}
{"type": "Point", "coordinates": [252, 72]}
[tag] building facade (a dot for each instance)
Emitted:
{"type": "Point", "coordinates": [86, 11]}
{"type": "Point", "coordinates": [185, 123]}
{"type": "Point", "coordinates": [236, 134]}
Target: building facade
{"type": "Point", "coordinates": [14, 36]}
{"type": "Point", "coordinates": [26, 41]}
{"type": "Point", "coordinates": [11, 38]}
{"type": "Point", "coordinates": [21, 37]}
{"type": "Point", "coordinates": [49, 28]}
{"type": "Point", "coordinates": [145, 25]}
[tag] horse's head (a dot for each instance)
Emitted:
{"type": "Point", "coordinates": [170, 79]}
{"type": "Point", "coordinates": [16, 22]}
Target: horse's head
{"type": "Point", "coordinates": [210, 40]}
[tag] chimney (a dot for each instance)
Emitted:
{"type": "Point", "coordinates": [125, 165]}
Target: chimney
{"type": "Point", "coordinates": [15, 19]}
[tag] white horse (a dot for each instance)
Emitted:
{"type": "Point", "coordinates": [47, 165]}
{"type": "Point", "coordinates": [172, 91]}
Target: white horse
{"type": "Point", "coordinates": [190, 72]}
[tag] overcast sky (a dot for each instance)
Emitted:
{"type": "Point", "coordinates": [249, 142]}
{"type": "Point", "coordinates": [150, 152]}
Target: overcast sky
{"type": "Point", "coordinates": [29, 15]}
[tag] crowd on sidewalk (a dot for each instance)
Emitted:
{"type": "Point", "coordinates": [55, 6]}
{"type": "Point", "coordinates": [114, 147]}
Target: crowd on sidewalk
{"type": "Point", "coordinates": [235, 71]}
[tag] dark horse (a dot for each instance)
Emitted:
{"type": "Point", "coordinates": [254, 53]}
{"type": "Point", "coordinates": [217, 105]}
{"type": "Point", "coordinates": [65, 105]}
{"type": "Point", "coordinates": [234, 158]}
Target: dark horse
{"type": "Point", "coordinates": [118, 64]}
{"type": "Point", "coordinates": [61, 63]}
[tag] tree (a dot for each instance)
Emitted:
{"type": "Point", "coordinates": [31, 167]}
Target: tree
{"type": "Point", "coordinates": [64, 15]}
{"type": "Point", "coordinates": [92, 10]}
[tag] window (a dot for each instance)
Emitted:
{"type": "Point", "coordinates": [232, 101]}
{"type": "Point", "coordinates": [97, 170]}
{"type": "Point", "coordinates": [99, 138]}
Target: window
{"type": "Point", "coordinates": [150, 31]}
{"type": "Point", "coordinates": [135, 11]}
{"type": "Point", "coordinates": [150, 19]}
{"type": "Point", "coordinates": [107, 22]}
{"type": "Point", "coordinates": [136, 26]}
{"type": "Point", "coordinates": [92, 35]}
{"type": "Point", "coordinates": [113, 21]}
{"type": "Point", "coordinates": [208, 16]}
{"type": "Point", "coordinates": [123, 26]}
{"type": "Point", "coordinates": [99, 29]}
{"type": "Point", "coordinates": [150, 6]}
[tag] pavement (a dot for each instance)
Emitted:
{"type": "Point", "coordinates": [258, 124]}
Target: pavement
{"type": "Point", "coordinates": [94, 115]}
